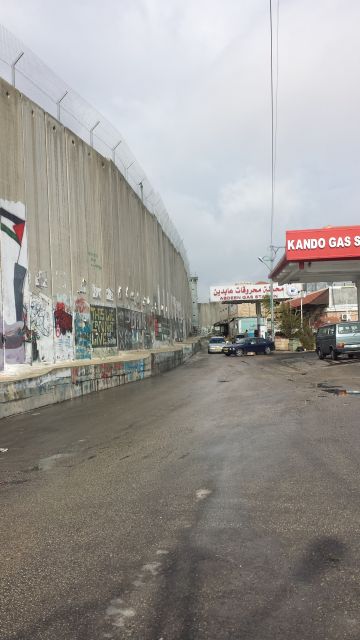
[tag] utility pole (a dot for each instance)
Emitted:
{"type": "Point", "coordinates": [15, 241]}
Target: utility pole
{"type": "Point", "coordinates": [272, 323]}
{"type": "Point", "coordinates": [268, 261]}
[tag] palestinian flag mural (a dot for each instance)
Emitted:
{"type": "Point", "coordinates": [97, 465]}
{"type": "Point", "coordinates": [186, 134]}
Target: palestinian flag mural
{"type": "Point", "coordinates": [12, 225]}
{"type": "Point", "coordinates": [13, 272]}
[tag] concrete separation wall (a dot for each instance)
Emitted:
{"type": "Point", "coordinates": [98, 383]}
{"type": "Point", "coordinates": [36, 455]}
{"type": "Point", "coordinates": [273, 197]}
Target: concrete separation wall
{"type": "Point", "coordinates": [86, 270]}
{"type": "Point", "coordinates": [64, 382]}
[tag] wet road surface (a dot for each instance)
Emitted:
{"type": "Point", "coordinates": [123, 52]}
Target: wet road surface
{"type": "Point", "coordinates": [218, 501]}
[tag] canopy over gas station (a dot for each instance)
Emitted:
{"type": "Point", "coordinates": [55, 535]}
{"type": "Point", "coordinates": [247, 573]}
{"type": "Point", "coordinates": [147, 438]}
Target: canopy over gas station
{"type": "Point", "coordinates": [331, 254]}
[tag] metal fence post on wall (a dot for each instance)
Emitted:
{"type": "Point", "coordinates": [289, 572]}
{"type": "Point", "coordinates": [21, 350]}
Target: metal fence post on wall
{"type": "Point", "coordinates": [92, 133]}
{"type": "Point", "coordinates": [79, 116]}
{"type": "Point", "coordinates": [13, 65]}
{"type": "Point", "coordinates": [128, 167]}
{"type": "Point", "coordinates": [59, 103]}
{"type": "Point", "coordinates": [114, 149]}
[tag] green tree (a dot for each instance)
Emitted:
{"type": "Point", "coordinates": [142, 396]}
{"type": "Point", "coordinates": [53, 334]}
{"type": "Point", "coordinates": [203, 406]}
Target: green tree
{"type": "Point", "coordinates": [288, 320]}
{"type": "Point", "coordinates": [266, 308]}
{"type": "Point", "coordinates": [306, 337]}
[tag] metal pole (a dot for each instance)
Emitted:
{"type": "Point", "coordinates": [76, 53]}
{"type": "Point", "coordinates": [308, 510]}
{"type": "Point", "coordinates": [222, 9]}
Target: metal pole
{"type": "Point", "coordinates": [114, 149]}
{"type": "Point", "coordinates": [92, 133]}
{"type": "Point", "coordinates": [58, 104]}
{"type": "Point", "coordinates": [128, 167]}
{"type": "Point", "coordinates": [301, 311]}
{"type": "Point", "coordinates": [358, 297]}
{"type": "Point", "coordinates": [13, 67]}
{"type": "Point", "coordinates": [272, 323]}
{"type": "Point", "coordinates": [272, 309]}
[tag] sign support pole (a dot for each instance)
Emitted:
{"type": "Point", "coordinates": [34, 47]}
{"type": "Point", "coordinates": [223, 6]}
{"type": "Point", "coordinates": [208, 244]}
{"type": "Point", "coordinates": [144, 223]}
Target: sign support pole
{"type": "Point", "coordinates": [358, 296]}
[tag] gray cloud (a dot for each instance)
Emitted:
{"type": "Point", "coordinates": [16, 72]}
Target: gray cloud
{"type": "Point", "coordinates": [187, 83]}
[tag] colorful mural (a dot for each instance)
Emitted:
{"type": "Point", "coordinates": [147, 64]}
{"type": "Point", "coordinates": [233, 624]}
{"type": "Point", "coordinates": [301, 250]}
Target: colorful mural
{"type": "Point", "coordinates": [37, 328]}
{"type": "Point", "coordinates": [63, 336]}
{"type": "Point", "coordinates": [103, 323]}
{"type": "Point", "coordinates": [14, 265]}
{"type": "Point", "coordinates": [82, 328]}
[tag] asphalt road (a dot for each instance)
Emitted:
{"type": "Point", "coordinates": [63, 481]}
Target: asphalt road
{"type": "Point", "coordinates": [218, 501]}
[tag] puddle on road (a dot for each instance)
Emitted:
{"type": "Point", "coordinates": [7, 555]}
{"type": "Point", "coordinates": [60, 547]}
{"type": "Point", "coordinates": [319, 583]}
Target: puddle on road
{"type": "Point", "coordinates": [337, 391]}
{"type": "Point", "coordinates": [45, 464]}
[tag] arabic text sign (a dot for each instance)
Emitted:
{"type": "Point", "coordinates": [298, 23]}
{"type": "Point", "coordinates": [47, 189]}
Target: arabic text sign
{"type": "Point", "coordinates": [332, 243]}
{"type": "Point", "coordinates": [251, 291]}
{"type": "Point", "coordinates": [103, 321]}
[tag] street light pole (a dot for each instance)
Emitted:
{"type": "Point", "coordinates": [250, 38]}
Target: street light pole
{"type": "Point", "coordinates": [268, 261]}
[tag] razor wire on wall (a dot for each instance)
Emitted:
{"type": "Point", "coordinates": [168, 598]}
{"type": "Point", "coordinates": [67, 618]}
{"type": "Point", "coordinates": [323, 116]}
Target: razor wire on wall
{"type": "Point", "coordinates": [23, 69]}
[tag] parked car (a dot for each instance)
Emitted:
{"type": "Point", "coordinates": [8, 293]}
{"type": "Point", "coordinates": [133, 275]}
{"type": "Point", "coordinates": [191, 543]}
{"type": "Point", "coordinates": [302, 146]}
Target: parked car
{"type": "Point", "coordinates": [216, 344]}
{"type": "Point", "coordinates": [238, 337]}
{"type": "Point", "coordinates": [248, 345]}
{"type": "Point", "coordinates": [338, 338]}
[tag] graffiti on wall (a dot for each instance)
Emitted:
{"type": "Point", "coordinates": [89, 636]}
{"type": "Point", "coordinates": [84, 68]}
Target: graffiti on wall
{"type": "Point", "coordinates": [135, 329]}
{"type": "Point", "coordinates": [63, 329]}
{"type": "Point", "coordinates": [148, 330]}
{"type": "Point", "coordinates": [63, 319]}
{"type": "Point", "coordinates": [13, 242]}
{"type": "Point", "coordinates": [103, 324]}
{"type": "Point", "coordinates": [82, 328]}
{"type": "Point", "coordinates": [2, 340]}
{"type": "Point", "coordinates": [40, 327]}
{"type": "Point", "coordinates": [41, 280]}
{"type": "Point", "coordinates": [162, 327]}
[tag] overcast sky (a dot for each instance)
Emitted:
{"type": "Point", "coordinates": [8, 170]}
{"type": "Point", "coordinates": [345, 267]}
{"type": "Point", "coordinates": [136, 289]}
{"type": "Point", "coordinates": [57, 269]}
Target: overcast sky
{"type": "Point", "coordinates": [187, 82]}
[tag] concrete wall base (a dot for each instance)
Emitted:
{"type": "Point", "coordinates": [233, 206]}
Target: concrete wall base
{"type": "Point", "coordinates": [77, 379]}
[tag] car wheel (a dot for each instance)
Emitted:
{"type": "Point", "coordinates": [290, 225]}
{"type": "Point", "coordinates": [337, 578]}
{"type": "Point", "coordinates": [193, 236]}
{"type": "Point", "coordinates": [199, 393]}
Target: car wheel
{"type": "Point", "coordinates": [333, 354]}
{"type": "Point", "coordinates": [350, 356]}
{"type": "Point", "coordinates": [320, 354]}
{"type": "Point", "coordinates": [240, 352]}
{"type": "Point", "coordinates": [267, 351]}
{"type": "Point", "coordinates": [227, 354]}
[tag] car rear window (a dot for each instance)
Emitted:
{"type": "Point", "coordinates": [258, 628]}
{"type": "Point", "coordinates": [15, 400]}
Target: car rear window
{"type": "Point", "coordinates": [349, 327]}
{"type": "Point", "coordinates": [216, 340]}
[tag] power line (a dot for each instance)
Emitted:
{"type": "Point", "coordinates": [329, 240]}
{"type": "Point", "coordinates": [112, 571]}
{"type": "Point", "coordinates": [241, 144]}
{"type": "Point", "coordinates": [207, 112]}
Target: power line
{"type": "Point", "coordinates": [272, 127]}
{"type": "Point", "coordinates": [276, 93]}
{"type": "Point", "coordinates": [274, 124]}
{"type": "Point", "coordinates": [274, 111]}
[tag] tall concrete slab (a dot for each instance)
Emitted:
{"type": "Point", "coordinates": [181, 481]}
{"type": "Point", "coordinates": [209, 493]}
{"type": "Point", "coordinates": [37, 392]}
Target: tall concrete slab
{"type": "Point", "coordinates": [58, 194]}
{"type": "Point", "coordinates": [39, 322]}
{"type": "Point", "coordinates": [13, 234]}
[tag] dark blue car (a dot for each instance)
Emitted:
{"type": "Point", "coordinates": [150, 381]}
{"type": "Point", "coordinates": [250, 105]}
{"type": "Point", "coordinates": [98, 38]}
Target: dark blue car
{"type": "Point", "coordinates": [249, 345]}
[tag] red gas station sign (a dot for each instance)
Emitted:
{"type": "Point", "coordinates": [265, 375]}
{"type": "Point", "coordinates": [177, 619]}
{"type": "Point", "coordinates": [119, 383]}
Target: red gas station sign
{"type": "Point", "coordinates": [330, 243]}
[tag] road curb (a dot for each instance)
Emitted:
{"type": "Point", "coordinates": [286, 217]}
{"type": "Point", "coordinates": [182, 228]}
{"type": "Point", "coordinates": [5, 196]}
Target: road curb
{"type": "Point", "coordinates": [65, 381]}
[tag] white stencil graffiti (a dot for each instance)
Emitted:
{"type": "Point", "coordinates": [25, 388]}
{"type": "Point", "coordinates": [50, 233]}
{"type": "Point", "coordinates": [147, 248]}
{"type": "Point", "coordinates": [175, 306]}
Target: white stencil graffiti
{"type": "Point", "coordinates": [82, 289]}
{"type": "Point", "coordinates": [109, 294]}
{"type": "Point", "coordinates": [41, 327]}
{"type": "Point", "coordinates": [41, 280]}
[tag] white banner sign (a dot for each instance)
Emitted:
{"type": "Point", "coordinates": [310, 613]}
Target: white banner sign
{"type": "Point", "coordinates": [251, 291]}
